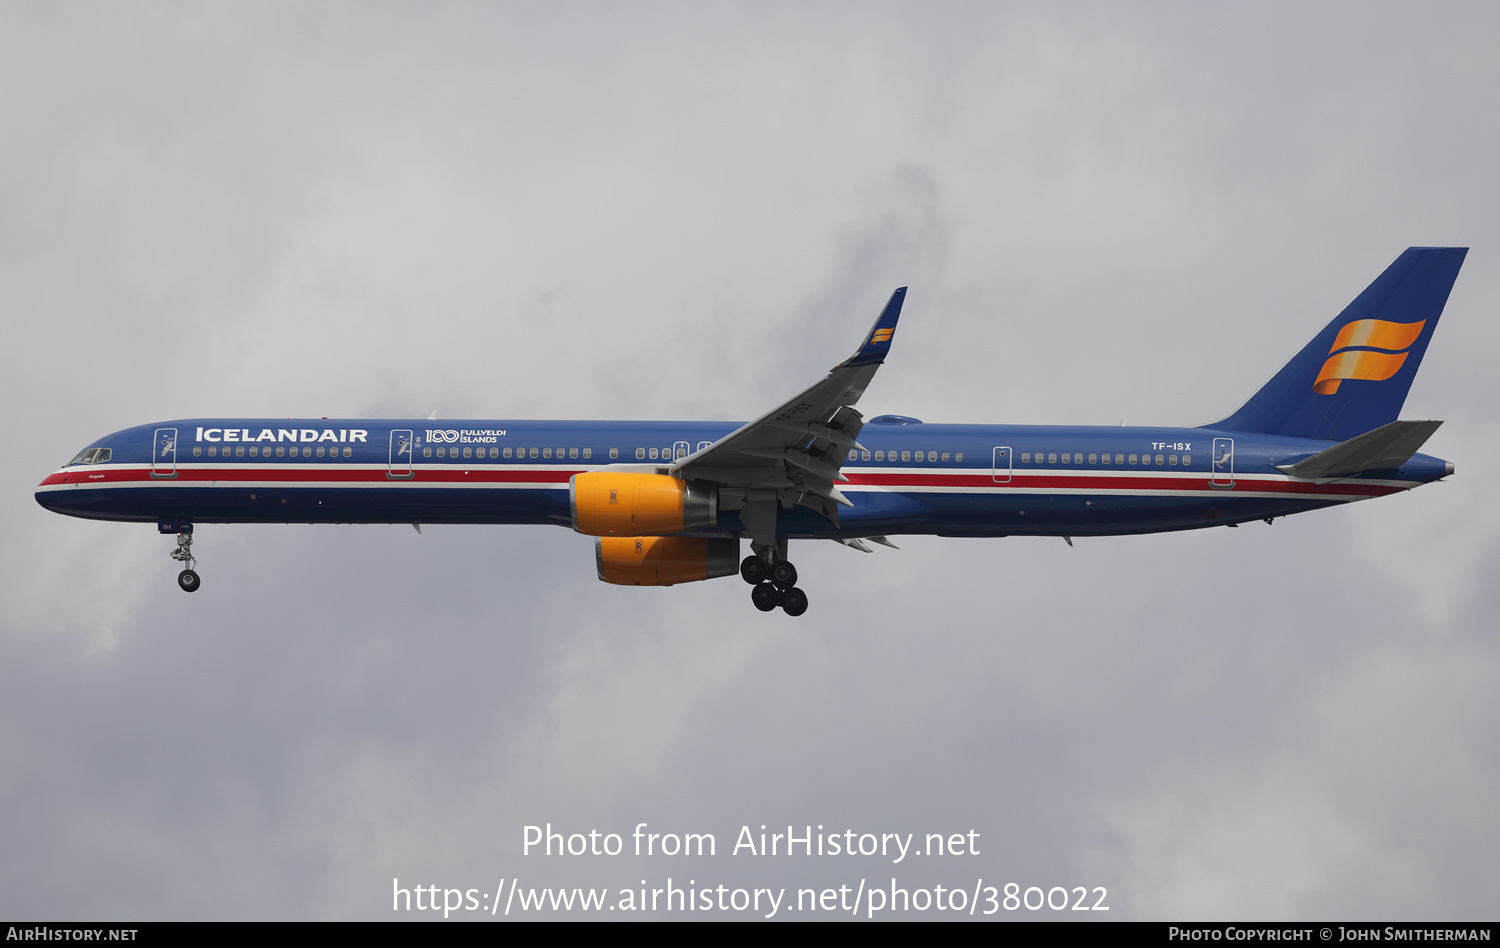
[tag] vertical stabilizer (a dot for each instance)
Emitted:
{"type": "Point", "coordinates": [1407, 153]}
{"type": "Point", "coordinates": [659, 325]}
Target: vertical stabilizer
{"type": "Point", "coordinates": [1354, 375]}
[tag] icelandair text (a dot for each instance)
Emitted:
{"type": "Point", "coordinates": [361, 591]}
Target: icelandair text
{"type": "Point", "coordinates": [341, 435]}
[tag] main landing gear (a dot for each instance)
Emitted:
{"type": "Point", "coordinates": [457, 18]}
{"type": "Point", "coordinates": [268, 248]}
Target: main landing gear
{"type": "Point", "coordinates": [775, 585]}
{"type": "Point", "coordinates": [188, 578]}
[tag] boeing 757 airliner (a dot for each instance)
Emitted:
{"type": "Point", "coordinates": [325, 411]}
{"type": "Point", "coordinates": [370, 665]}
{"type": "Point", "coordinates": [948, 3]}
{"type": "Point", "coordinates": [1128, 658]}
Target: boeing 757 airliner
{"type": "Point", "coordinates": [669, 502]}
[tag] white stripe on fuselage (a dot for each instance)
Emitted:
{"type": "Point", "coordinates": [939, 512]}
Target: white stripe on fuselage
{"type": "Point", "coordinates": [997, 488]}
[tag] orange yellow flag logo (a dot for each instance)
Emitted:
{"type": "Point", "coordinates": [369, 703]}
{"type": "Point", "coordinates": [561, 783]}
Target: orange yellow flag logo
{"type": "Point", "coordinates": [1352, 363]}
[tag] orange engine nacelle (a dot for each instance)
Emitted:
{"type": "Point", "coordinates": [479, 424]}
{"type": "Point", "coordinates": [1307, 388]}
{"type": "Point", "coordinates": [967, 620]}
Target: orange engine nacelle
{"type": "Point", "coordinates": [664, 561]}
{"type": "Point", "coordinates": [607, 504]}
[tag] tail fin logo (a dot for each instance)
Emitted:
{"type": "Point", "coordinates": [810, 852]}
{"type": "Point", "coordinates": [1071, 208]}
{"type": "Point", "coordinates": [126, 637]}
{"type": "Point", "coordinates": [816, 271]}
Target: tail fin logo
{"type": "Point", "coordinates": [882, 335]}
{"type": "Point", "coordinates": [1345, 361]}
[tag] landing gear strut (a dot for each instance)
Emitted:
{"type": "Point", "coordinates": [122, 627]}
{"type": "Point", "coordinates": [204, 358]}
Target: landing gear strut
{"type": "Point", "coordinates": [188, 578]}
{"type": "Point", "coordinates": [775, 584]}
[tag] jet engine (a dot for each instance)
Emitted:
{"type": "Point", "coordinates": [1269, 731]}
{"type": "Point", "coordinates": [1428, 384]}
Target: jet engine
{"type": "Point", "coordinates": [665, 561]}
{"type": "Point", "coordinates": [610, 504]}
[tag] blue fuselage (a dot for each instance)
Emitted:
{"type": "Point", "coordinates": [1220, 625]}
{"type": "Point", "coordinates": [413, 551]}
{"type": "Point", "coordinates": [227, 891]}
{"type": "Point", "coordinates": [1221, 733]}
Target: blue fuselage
{"type": "Point", "coordinates": [949, 480]}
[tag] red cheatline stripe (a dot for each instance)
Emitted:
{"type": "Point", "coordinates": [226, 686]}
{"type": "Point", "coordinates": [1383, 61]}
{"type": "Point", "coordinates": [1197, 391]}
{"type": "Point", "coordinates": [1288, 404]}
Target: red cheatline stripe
{"type": "Point", "coordinates": [1102, 483]}
{"type": "Point", "coordinates": [296, 475]}
{"type": "Point", "coordinates": [1106, 483]}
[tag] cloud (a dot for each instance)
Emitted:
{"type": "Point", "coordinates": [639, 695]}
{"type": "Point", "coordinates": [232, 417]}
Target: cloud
{"type": "Point", "coordinates": [669, 213]}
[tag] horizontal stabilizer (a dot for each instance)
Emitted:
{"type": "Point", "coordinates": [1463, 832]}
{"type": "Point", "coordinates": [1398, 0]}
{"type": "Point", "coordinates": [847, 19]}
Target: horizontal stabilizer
{"type": "Point", "coordinates": [1387, 447]}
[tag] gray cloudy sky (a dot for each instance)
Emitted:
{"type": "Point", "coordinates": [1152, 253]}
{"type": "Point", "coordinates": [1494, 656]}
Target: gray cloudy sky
{"type": "Point", "coordinates": [1104, 212]}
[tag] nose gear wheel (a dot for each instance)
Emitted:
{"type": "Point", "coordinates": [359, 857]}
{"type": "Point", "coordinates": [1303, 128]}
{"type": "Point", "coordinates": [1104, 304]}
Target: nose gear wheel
{"type": "Point", "coordinates": [188, 578]}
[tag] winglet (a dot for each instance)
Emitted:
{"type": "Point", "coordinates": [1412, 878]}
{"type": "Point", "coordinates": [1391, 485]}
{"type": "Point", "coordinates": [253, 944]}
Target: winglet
{"type": "Point", "coordinates": [878, 342]}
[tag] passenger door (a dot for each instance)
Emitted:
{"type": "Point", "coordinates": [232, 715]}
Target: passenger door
{"type": "Point", "coordinates": [1002, 465]}
{"type": "Point", "coordinates": [401, 452]}
{"type": "Point", "coordinates": [164, 453]}
{"type": "Point", "coordinates": [1223, 463]}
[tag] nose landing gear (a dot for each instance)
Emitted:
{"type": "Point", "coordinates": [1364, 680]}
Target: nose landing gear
{"type": "Point", "coordinates": [188, 578]}
{"type": "Point", "coordinates": [775, 585]}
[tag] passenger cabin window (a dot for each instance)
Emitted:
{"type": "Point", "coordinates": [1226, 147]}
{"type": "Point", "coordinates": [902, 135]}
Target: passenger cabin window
{"type": "Point", "coordinates": [959, 457]}
{"type": "Point", "coordinates": [348, 452]}
{"type": "Point", "coordinates": [1172, 460]}
{"type": "Point", "coordinates": [880, 455]}
{"type": "Point", "coordinates": [239, 450]}
{"type": "Point", "coordinates": [213, 451]}
{"type": "Point", "coordinates": [532, 453]}
{"type": "Point", "coordinates": [1093, 458]}
{"type": "Point", "coordinates": [614, 453]}
{"type": "Point", "coordinates": [1158, 460]}
{"type": "Point", "coordinates": [197, 451]}
{"type": "Point", "coordinates": [1120, 459]}
{"type": "Point", "coordinates": [1132, 459]}
{"type": "Point", "coordinates": [1187, 459]}
{"type": "Point", "coordinates": [945, 455]}
{"type": "Point", "coordinates": [864, 455]}
{"type": "Point", "coordinates": [640, 453]}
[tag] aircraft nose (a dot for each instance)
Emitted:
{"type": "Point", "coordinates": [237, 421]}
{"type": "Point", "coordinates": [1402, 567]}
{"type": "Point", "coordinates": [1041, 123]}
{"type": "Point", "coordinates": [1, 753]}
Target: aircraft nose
{"type": "Point", "coordinates": [54, 500]}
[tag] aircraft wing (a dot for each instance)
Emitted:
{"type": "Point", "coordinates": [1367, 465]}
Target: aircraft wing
{"type": "Point", "coordinates": [796, 449]}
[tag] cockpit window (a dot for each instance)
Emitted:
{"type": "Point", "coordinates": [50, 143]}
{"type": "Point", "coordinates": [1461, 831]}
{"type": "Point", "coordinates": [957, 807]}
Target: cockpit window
{"type": "Point", "coordinates": [90, 456]}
